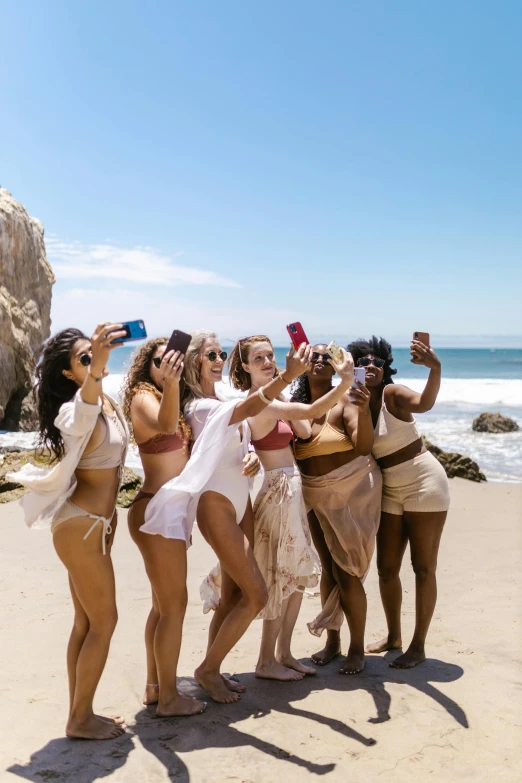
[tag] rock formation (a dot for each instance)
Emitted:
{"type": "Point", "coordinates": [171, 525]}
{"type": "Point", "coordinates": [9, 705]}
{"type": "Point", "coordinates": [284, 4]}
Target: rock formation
{"type": "Point", "coordinates": [494, 422]}
{"type": "Point", "coordinates": [13, 459]}
{"type": "Point", "coordinates": [26, 280]}
{"type": "Point", "coordinates": [456, 465]}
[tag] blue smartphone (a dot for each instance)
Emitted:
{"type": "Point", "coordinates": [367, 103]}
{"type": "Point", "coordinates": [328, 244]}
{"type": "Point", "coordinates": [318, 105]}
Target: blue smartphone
{"type": "Point", "coordinates": [134, 330]}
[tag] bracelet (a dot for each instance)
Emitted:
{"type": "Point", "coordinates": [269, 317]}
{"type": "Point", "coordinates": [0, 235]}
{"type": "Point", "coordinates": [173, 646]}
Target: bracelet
{"type": "Point", "coordinates": [263, 398]}
{"type": "Point", "coordinates": [280, 374]}
{"type": "Point", "coordinates": [98, 380]}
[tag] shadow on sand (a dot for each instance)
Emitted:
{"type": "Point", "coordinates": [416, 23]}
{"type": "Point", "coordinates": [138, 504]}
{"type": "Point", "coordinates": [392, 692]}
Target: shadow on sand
{"type": "Point", "coordinates": [85, 762]}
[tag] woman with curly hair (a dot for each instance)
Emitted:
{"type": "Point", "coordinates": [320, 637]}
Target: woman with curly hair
{"type": "Point", "coordinates": [151, 402]}
{"type": "Point", "coordinates": [84, 432]}
{"type": "Point", "coordinates": [342, 494]}
{"type": "Point", "coordinates": [415, 498]}
{"type": "Point", "coordinates": [282, 543]}
{"type": "Point", "coordinates": [215, 485]}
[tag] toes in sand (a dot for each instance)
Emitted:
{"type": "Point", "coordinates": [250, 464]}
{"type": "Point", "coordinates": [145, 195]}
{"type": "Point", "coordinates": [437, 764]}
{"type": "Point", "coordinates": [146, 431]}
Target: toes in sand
{"type": "Point", "coordinates": [327, 654]}
{"type": "Point", "coordinates": [276, 671]}
{"type": "Point", "coordinates": [92, 728]}
{"type": "Point", "coordinates": [232, 684]}
{"type": "Point", "coordinates": [353, 664]}
{"type": "Point", "coordinates": [409, 659]}
{"type": "Point", "coordinates": [213, 683]}
{"type": "Point", "coordinates": [292, 663]}
{"type": "Point", "coordinates": [384, 645]}
{"type": "Point", "coordinates": [181, 707]}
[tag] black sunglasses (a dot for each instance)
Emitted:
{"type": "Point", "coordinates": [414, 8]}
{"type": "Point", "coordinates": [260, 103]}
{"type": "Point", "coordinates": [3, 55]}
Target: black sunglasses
{"type": "Point", "coordinates": [213, 355]}
{"type": "Point", "coordinates": [379, 363]}
{"type": "Point", "coordinates": [316, 356]}
{"type": "Point", "coordinates": [85, 359]}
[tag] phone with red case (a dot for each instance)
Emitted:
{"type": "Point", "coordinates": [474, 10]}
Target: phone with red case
{"type": "Point", "coordinates": [297, 334]}
{"type": "Point", "coordinates": [423, 337]}
{"type": "Point", "coordinates": [179, 341]}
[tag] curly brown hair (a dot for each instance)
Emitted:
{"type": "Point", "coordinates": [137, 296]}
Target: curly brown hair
{"type": "Point", "coordinates": [138, 381]}
{"type": "Point", "coordinates": [239, 377]}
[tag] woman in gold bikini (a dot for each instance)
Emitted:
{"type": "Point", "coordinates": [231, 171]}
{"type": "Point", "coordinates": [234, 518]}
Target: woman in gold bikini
{"type": "Point", "coordinates": [342, 493]}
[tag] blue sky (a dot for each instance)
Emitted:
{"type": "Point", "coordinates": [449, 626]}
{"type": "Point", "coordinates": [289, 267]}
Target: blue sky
{"type": "Point", "coordinates": [237, 165]}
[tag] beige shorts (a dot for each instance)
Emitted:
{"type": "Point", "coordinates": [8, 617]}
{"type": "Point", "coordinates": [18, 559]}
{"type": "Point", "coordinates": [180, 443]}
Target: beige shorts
{"type": "Point", "coordinates": [418, 485]}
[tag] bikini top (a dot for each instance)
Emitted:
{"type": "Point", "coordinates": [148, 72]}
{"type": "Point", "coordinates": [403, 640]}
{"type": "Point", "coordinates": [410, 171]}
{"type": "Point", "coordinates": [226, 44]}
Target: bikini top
{"type": "Point", "coordinates": [278, 438]}
{"type": "Point", "coordinates": [329, 440]}
{"type": "Point", "coordinates": [162, 444]}
{"type": "Point", "coordinates": [392, 434]}
{"type": "Point", "coordinates": [111, 451]}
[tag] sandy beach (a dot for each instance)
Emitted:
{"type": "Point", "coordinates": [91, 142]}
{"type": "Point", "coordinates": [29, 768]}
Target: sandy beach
{"type": "Point", "coordinates": [458, 716]}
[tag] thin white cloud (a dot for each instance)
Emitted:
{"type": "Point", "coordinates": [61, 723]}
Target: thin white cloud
{"type": "Point", "coordinates": [143, 265]}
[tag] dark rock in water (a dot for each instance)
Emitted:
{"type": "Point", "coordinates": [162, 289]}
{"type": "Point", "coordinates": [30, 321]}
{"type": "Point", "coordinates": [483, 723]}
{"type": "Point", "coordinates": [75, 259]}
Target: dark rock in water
{"type": "Point", "coordinates": [12, 461]}
{"type": "Point", "coordinates": [11, 449]}
{"type": "Point", "coordinates": [130, 484]}
{"type": "Point", "coordinates": [494, 422]}
{"type": "Point", "coordinates": [456, 465]}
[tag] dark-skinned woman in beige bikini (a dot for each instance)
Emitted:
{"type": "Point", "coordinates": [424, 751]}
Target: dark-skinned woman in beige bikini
{"type": "Point", "coordinates": [341, 489]}
{"type": "Point", "coordinates": [415, 498]}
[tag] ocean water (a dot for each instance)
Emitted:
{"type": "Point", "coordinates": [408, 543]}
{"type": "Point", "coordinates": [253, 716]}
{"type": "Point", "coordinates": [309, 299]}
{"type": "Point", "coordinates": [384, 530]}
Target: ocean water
{"type": "Point", "coordinates": [473, 381]}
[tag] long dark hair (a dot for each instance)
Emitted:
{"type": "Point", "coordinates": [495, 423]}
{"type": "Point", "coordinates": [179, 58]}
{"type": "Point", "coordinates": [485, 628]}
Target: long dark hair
{"type": "Point", "coordinates": [53, 388]}
{"type": "Point", "coordinates": [376, 346]}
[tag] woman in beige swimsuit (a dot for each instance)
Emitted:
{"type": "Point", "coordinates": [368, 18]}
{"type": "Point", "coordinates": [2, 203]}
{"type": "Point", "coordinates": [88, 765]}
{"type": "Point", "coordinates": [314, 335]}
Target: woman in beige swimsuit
{"type": "Point", "coordinates": [87, 437]}
{"type": "Point", "coordinates": [415, 497]}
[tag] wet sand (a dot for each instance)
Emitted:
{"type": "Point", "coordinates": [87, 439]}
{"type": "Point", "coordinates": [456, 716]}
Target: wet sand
{"type": "Point", "coordinates": [457, 716]}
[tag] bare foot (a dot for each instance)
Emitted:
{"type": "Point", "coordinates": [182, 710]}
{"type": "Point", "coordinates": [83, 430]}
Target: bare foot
{"type": "Point", "coordinates": [384, 645]}
{"type": "Point", "coordinates": [327, 654]}
{"type": "Point", "coordinates": [412, 657]}
{"type": "Point", "coordinates": [93, 729]}
{"type": "Point", "coordinates": [151, 694]}
{"type": "Point", "coordinates": [276, 671]}
{"type": "Point", "coordinates": [181, 707]}
{"type": "Point", "coordinates": [292, 663]}
{"type": "Point", "coordinates": [112, 719]}
{"type": "Point", "coordinates": [353, 664]}
{"type": "Point", "coordinates": [213, 683]}
{"type": "Point", "coordinates": [232, 684]}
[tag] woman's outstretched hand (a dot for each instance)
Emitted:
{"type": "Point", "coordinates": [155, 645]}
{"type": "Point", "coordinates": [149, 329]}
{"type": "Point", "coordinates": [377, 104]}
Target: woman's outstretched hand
{"type": "Point", "coordinates": [423, 355]}
{"type": "Point", "coordinates": [345, 368]}
{"type": "Point", "coordinates": [171, 367]}
{"type": "Point", "coordinates": [102, 345]}
{"type": "Point", "coordinates": [252, 464]}
{"type": "Point", "coordinates": [297, 362]}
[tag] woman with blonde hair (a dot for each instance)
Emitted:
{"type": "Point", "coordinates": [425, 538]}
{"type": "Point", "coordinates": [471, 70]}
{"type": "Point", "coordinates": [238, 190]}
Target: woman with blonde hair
{"type": "Point", "coordinates": [214, 485]}
{"type": "Point", "coordinates": [151, 402]}
{"type": "Point", "coordinates": [282, 543]}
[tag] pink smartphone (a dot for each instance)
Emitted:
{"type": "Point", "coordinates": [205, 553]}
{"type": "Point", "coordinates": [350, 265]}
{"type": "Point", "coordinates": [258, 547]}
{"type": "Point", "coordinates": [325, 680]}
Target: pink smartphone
{"type": "Point", "coordinates": [297, 334]}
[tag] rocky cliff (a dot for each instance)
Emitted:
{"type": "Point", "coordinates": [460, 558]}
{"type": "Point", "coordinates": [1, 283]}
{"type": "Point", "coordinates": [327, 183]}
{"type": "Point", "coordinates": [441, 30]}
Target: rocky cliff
{"type": "Point", "coordinates": [26, 280]}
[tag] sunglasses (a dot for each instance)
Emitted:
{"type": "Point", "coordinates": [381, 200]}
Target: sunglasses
{"type": "Point", "coordinates": [213, 355]}
{"type": "Point", "coordinates": [316, 356]}
{"type": "Point", "coordinates": [85, 359]}
{"type": "Point", "coordinates": [379, 363]}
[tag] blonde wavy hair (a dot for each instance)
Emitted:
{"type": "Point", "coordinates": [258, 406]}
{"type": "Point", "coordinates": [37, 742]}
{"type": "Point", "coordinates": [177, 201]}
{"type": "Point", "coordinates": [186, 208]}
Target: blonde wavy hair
{"type": "Point", "coordinates": [239, 377]}
{"type": "Point", "coordinates": [192, 368]}
{"type": "Point", "coordinates": [139, 381]}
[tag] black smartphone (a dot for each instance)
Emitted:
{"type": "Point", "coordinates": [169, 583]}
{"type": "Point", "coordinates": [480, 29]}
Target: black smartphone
{"type": "Point", "coordinates": [179, 341]}
{"type": "Point", "coordinates": [134, 330]}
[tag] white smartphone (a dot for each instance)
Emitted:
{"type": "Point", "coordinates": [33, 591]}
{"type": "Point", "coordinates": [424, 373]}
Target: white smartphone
{"type": "Point", "coordinates": [359, 374]}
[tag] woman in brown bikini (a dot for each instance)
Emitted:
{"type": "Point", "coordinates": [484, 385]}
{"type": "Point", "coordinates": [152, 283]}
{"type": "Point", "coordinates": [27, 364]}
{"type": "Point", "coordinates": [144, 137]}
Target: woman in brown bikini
{"type": "Point", "coordinates": [342, 493]}
{"type": "Point", "coordinates": [150, 396]}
